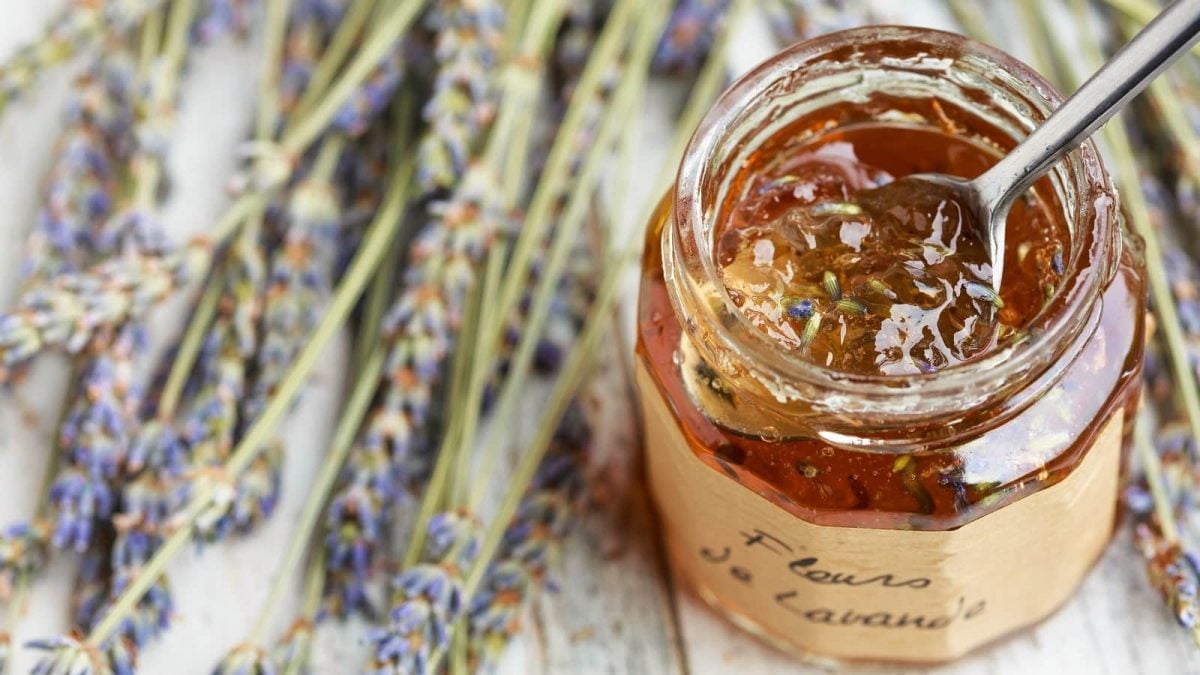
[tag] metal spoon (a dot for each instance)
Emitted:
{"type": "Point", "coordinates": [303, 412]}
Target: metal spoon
{"type": "Point", "coordinates": [990, 196]}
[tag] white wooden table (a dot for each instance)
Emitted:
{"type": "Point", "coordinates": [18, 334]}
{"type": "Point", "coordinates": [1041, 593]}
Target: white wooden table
{"type": "Point", "coordinates": [618, 610]}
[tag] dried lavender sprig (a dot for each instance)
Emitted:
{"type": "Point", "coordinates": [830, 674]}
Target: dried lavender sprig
{"type": "Point", "coordinates": [82, 184]}
{"type": "Point", "coordinates": [67, 655]}
{"type": "Point", "coordinates": [293, 652]}
{"type": "Point", "coordinates": [368, 366]}
{"type": "Point", "coordinates": [99, 425]}
{"type": "Point", "coordinates": [69, 311]}
{"type": "Point", "coordinates": [379, 467]}
{"type": "Point", "coordinates": [95, 436]}
{"type": "Point", "coordinates": [81, 25]}
{"type": "Point", "coordinates": [1170, 565]}
{"type": "Point", "coordinates": [353, 283]}
{"type": "Point", "coordinates": [531, 540]}
{"type": "Point", "coordinates": [422, 325]}
{"type": "Point", "coordinates": [427, 599]}
{"type": "Point", "coordinates": [463, 103]}
{"type": "Point", "coordinates": [211, 424]}
{"type": "Point", "coordinates": [343, 438]}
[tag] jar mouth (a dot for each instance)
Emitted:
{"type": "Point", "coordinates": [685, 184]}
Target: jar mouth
{"type": "Point", "coordinates": [916, 59]}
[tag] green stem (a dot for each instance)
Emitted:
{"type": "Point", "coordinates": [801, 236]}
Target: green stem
{"type": "Point", "coordinates": [309, 126]}
{"type": "Point", "coordinates": [176, 43]}
{"type": "Point", "coordinates": [318, 494]}
{"type": "Point", "coordinates": [189, 349]}
{"type": "Point", "coordinates": [1152, 469]}
{"type": "Point", "coordinates": [334, 55]}
{"type": "Point", "coordinates": [518, 15]}
{"type": "Point", "coordinates": [151, 41]}
{"type": "Point", "coordinates": [268, 88]}
{"type": "Point", "coordinates": [366, 262]}
{"type": "Point", "coordinates": [482, 367]}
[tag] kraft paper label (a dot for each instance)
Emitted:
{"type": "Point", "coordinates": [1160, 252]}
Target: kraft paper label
{"type": "Point", "coordinates": [871, 594]}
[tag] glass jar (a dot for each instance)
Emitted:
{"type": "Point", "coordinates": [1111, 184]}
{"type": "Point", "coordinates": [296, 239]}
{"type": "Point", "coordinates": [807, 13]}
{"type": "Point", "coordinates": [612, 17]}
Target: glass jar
{"type": "Point", "coordinates": [902, 518]}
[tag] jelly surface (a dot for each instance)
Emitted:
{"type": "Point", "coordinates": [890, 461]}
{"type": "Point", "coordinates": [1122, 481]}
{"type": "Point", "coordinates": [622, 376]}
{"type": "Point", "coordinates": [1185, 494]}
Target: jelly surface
{"type": "Point", "coordinates": [827, 253]}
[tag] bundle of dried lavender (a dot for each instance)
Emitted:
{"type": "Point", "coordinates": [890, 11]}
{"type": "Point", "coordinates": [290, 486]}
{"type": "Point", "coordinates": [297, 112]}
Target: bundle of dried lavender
{"type": "Point", "coordinates": [69, 312]}
{"type": "Point", "coordinates": [422, 323]}
{"type": "Point", "coordinates": [448, 491]}
{"type": "Point", "coordinates": [101, 652]}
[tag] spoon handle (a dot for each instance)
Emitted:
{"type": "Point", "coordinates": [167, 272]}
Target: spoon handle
{"type": "Point", "coordinates": [1158, 45]}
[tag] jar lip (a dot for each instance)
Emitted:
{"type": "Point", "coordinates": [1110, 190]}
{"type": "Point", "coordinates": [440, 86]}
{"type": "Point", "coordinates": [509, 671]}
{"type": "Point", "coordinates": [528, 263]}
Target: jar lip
{"type": "Point", "coordinates": [1069, 306]}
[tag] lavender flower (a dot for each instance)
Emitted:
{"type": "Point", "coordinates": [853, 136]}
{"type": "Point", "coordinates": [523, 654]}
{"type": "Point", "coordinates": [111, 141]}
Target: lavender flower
{"type": "Point", "coordinates": [212, 423]}
{"type": "Point", "coordinates": [420, 327]}
{"type": "Point", "coordinates": [67, 655]}
{"type": "Point", "coordinates": [372, 96]}
{"type": "Point", "coordinates": [1173, 573]}
{"type": "Point", "coordinates": [463, 101]}
{"type": "Point", "coordinates": [247, 659]}
{"type": "Point", "coordinates": [298, 284]}
{"type": "Point", "coordinates": [690, 32]}
{"type": "Point", "coordinates": [95, 437]}
{"type": "Point", "coordinates": [24, 549]}
{"type": "Point", "coordinates": [427, 599]}
{"type": "Point", "coordinates": [73, 308]}
{"type": "Point", "coordinates": [79, 26]}
{"type": "Point", "coordinates": [530, 542]}
{"type": "Point", "coordinates": [81, 185]}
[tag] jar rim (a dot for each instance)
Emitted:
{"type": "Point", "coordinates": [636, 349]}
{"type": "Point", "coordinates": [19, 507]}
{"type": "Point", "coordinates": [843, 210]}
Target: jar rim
{"type": "Point", "coordinates": [1067, 309]}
